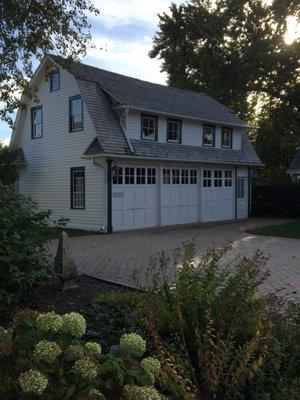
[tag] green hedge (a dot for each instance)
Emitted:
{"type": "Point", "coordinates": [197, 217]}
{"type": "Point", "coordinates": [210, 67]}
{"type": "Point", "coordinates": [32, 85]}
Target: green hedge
{"type": "Point", "coordinates": [277, 199]}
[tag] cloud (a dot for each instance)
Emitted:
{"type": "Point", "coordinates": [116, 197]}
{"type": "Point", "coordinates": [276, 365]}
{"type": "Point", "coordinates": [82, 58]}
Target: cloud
{"type": "Point", "coordinates": [122, 12]}
{"type": "Point", "coordinates": [128, 58]}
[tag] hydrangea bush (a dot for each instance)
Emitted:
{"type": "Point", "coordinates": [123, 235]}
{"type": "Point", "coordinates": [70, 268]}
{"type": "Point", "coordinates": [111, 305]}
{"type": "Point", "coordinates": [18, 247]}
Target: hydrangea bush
{"type": "Point", "coordinates": [45, 356]}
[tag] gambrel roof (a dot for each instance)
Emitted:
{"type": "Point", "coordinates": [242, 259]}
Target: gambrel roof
{"type": "Point", "coordinates": [100, 88]}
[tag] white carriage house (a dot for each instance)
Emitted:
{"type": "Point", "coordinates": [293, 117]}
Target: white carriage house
{"type": "Point", "coordinates": [113, 153]}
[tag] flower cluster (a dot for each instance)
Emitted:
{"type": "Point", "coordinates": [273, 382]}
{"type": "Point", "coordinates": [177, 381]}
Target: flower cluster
{"type": "Point", "coordinates": [49, 322]}
{"type": "Point", "coordinates": [93, 349]}
{"type": "Point", "coordinates": [86, 368]}
{"type": "Point", "coordinates": [141, 393]}
{"type": "Point", "coordinates": [74, 352]}
{"type": "Point", "coordinates": [74, 324]}
{"type": "Point", "coordinates": [150, 365]}
{"type": "Point", "coordinates": [47, 351]}
{"type": "Point", "coordinates": [33, 381]}
{"type": "Point", "coordinates": [134, 343]}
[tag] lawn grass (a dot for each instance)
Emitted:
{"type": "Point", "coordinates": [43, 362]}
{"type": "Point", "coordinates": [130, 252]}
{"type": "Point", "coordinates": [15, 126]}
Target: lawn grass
{"type": "Point", "coordinates": [53, 233]}
{"type": "Point", "coordinates": [288, 230]}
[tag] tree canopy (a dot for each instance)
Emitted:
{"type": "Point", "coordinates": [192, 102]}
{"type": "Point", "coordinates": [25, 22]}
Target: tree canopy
{"type": "Point", "coordinates": [235, 51]}
{"type": "Point", "coordinates": [31, 29]}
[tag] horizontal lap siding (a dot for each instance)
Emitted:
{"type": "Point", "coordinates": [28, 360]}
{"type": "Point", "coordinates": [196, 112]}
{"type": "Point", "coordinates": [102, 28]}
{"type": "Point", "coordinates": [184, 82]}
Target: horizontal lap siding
{"type": "Point", "coordinates": [49, 159]}
{"type": "Point", "coordinates": [191, 131]}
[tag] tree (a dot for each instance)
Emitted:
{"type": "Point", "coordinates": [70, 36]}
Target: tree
{"type": "Point", "coordinates": [235, 51]}
{"type": "Point", "coordinates": [31, 29]}
{"type": "Point", "coordinates": [8, 168]}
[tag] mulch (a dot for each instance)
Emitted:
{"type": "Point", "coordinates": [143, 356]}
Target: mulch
{"type": "Point", "coordinates": [51, 297]}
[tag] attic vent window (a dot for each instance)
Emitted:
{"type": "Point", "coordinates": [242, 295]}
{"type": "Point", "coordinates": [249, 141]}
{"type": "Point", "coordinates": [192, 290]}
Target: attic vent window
{"type": "Point", "coordinates": [55, 81]}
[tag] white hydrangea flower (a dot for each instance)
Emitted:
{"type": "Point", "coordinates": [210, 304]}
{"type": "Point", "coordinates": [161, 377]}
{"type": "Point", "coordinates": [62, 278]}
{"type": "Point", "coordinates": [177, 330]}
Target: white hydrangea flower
{"type": "Point", "coordinates": [134, 343]}
{"type": "Point", "coordinates": [47, 351]}
{"type": "Point", "coordinates": [86, 368]}
{"type": "Point", "coordinates": [141, 393]}
{"type": "Point", "coordinates": [33, 382]}
{"type": "Point", "coordinates": [151, 365]}
{"type": "Point", "coordinates": [74, 324]}
{"type": "Point", "coordinates": [93, 349]}
{"type": "Point", "coordinates": [49, 322]}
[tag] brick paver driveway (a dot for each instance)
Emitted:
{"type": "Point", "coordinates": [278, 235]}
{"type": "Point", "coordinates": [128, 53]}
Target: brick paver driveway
{"type": "Point", "coordinates": [116, 257]}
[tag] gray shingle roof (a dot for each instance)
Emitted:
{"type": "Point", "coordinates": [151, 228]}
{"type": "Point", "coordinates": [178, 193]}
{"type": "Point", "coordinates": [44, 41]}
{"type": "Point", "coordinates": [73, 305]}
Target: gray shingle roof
{"type": "Point", "coordinates": [295, 164]}
{"type": "Point", "coordinates": [110, 134]}
{"type": "Point", "coordinates": [151, 96]}
{"type": "Point", "coordinates": [165, 151]}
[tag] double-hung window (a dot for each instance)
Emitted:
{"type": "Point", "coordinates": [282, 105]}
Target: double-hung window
{"type": "Point", "coordinates": [149, 127]}
{"type": "Point", "coordinates": [78, 188]}
{"type": "Point", "coordinates": [173, 131]}
{"type": "Point", "coordinates": [76, 114]}
{"type": "Point", "coordinates": [226, 137]}
{"type": "Point", "coordinates": [36, 122]}
{"type": "Point", "coordinates": [208, 135]}
{"type": "Point", "coordinates": [55, 80]}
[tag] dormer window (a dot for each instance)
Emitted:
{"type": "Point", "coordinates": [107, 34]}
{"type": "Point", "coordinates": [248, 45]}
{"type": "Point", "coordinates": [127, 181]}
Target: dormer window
{"type": "Point", "coordinates": [173, 131]}
{"type": "Point", "coordinates": [149, 127]}
{"type": "Point", "coordinates": [208, 135]}
{"type": "Point", "coordinates": [55, 81]}
{"type": "Point", "coordinates": [226, 137]}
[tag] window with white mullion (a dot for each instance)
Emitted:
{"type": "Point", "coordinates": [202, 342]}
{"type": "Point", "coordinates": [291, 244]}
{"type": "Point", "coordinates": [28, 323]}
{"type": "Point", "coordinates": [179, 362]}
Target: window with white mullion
{"type": "Point", "coordinates": [173, 131]}
{"type": "Point", "coordinates": [77, 188]}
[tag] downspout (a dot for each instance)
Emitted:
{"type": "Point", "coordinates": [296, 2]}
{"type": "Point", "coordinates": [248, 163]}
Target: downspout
{"type": "Point", "coordinates": [109, 197]}
{"type": "Point", "coordinates": [235, 194]}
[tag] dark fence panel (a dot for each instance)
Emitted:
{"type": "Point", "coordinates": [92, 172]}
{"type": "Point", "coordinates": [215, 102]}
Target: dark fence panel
{"type": "Point", "coordinates": [280, 200]}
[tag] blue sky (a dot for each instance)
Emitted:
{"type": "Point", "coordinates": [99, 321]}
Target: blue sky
{"type": "Point", "coordinates": [124, 29]}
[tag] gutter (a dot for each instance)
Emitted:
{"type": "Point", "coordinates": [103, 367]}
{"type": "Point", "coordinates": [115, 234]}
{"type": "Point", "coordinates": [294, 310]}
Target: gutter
{"type": "Point", "coordinates": [136, 157]}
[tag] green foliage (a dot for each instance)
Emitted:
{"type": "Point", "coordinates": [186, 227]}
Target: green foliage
{"type": "Point", "coordinates": [43, 355]}
{"type": "Point", "coordinates": [288, 230]}
{"type": "Point", "coordinates": [23, 261]}
{"type": "Point", "coordinates": [31, 29]}
{"type": "Point", "coordinates": [8, 170]}
{"type": "Point", "coordinates": [235, 51]}
{"type": "Point", "coordinates": [110, 315]}
{"type": "Point", "coordinates": [214, 336]}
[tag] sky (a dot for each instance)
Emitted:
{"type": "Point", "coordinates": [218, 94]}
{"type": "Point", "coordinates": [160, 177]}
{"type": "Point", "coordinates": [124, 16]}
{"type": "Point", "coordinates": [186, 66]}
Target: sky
{"type": "Point", "coordinates": [122, 35]}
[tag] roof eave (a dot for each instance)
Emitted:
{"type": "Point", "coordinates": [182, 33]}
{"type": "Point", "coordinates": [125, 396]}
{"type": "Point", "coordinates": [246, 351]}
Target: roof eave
{"type": "Point", "coordinates": [137, 157]}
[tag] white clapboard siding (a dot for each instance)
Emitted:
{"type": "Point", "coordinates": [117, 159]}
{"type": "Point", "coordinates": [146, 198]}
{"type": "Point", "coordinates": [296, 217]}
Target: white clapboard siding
{"type": "Point", "coordinates": [191, 131]}
{"type": "Point", "coordinates": [49, 159]}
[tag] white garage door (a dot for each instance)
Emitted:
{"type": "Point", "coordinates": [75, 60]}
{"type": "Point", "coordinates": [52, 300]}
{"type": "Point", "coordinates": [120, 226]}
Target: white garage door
{"type": "Point", "coordinates": [134, 198]}
{"type": "Point", "coordinates": [217, 195]}
{"type": "Point", "coordinates": [179, 196]}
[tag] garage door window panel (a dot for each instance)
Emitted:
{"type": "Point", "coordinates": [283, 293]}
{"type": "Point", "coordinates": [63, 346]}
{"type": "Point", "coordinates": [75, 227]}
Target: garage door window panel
{"type": "Point", "coordinates": [228, 178]}
{"type": "Point", "coordinates": [118, 176]}
{"type": "Point", "coordinates": [193, 177]}
{"type": "Point", "coordinates": [207, 178]}
{"type": "Point", "coordinates": [129, 176]}
{"type": "Point", "coordinates": [166, 176]}
{"type": "Point", "coordinates": [141, 176]}
{"type": "Point", "coordinates": [184, 176]}
{"type": "Point", "coordinates": [217, 178]}
{"type": "Point", "coordinates": [175, 176]}
{"type": "Point", "coordinates": [151, 178]}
